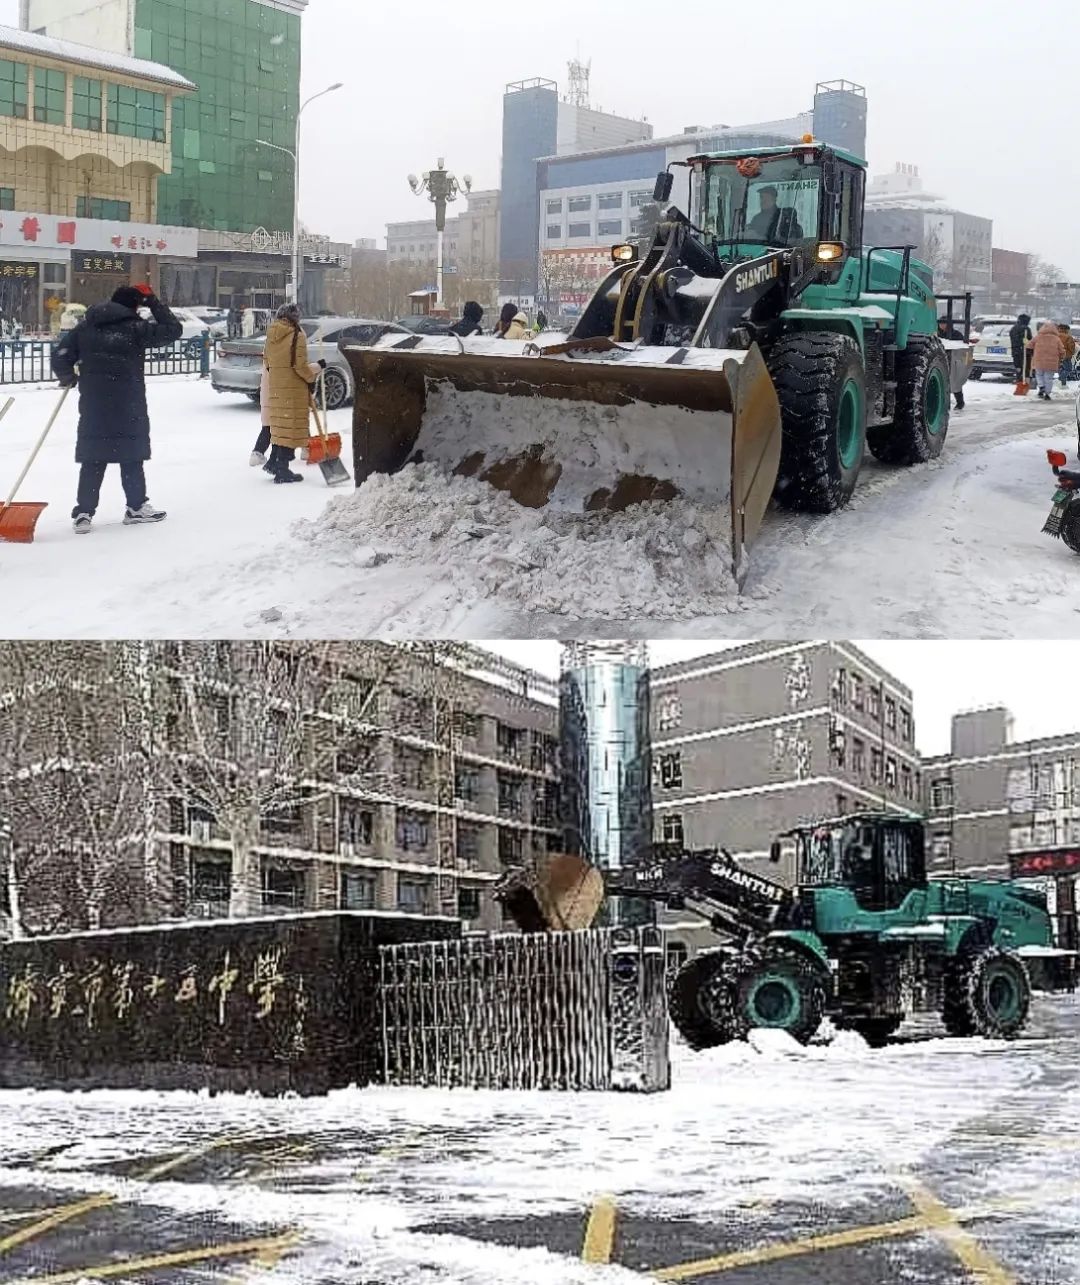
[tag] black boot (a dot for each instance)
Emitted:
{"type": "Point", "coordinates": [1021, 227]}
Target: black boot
{"type": "Point", "coordinates": [280, 459]}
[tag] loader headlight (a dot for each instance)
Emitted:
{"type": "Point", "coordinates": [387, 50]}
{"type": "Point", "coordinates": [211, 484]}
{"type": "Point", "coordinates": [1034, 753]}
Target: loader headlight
{"type": "Point", "coordinates": [830, 251]}
{"type": "Point", "coordinates": [623, 253]}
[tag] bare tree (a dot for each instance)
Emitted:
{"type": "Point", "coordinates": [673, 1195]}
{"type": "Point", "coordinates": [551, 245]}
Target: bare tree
{"type": "Point", "coordinates": [1041, 272]}
{"type": "Point", "coordinates": [935, 252]}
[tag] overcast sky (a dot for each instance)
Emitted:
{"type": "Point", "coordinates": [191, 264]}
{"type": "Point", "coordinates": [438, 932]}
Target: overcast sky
{"type": "Point", "coordinates": [979, 96]}
{"type": "Point", "coordinates": [1032, 679]}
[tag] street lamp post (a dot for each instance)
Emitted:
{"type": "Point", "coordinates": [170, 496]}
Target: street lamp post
{"type": "Point", "coordinates": [297, 249]}
{"type": "Point", "coordinates": [442, 188]}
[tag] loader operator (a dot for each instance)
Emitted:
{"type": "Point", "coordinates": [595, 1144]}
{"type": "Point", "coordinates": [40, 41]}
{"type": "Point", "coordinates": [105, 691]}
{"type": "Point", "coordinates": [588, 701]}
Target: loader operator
{"type": "Point", "coordinates": [774, 224]}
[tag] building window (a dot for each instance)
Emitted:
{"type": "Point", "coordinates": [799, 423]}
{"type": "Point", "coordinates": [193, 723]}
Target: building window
{"type": "Point", "coordinates": [671, 777]}
{"type": "Point", "coordinates": [877, 760]}
{"type": "Point", "coordinates": [86, 104]}
{"type": "Point", "coordinates": [211, 885]}
{"type": "Point", "coordinates": [669, 712]}
{"type": "Point", "coordinates": [467, 846]}
{"type": "Point", "coordinates": [283, 888]}
{"type": "Point", "coordinates": [609, 227]}
{"type": "Point", "coordinates": [638, 199]}
{"type": "Point", "coordinates": [93, 207]}
{"type": "Point", "coordinates": [875, 702]}
{"type": "Point", "coordinates": [355, 825]}
{"type": "Point", "coordinates": [7, 202]}
{"type": "Point", "coordinates": [413, 768]}
{"type": "Point", "coordinates": [839, 687]}
{"type": "Point", "coordinates": [511, 741]}
{"type": "Point", "coordinates": [357, 891]}
{"type": "Point", "coordinates": [466, 783]}
{"type": "Point", "coordinates": [1018, 789]}
{"type": "Point", "coordinates": [671, 829]}
{"type": "Point", "coordinates": [907, 782]}
{"type": "Point", "coordinates": [413, 833]}
{"type": "Point", "coordinates": [1019, 837]}
{"type": "Point", "coordinates": [50, 96]}
{"type": "Point", "coordinates": [511, 846]}
{"type": "Point", "coordinates": [13, 89]}
{"type": "Point", "coordinates": [511, 790]}
{"type": "Point", "coordinates": [857, 691]}
{"type": "Point", "coordinates": [890, 772]}
{"type": "Point", "coordinates": [412, 896]}
{"type": "Point", "coordinates": [838, 743]}
{"type": "Point", "coordinates": [906, 727]}
{"type": "Point", "coordinates": [580, 230]}
{"type": "Point", "coordinates": [554, 232]}
{"type": "Point", "coordinates": [609, 201]}
{"type": "Point", "coordinates": [941, 794]}
{"type": "Point", "coordinates": [890, 713]}
{"type": "Point", "coordinates": [941, 847]}
{"type": "Point", "coordinates": [466, 724]}
{"type": "Point", "coordinates": [136, 113]}
{"type": "Point", "coordinates": [555, 207]}
{"type": "Point", "coordinates": [468, 904]}
{"type": "Point", "coordinates": [579, 204]}
{"type": "Point", "coordinates": [1045, 834]}
{"type": "Point", "coordinates": [841, 805]}
{"type": "Point", "coordinates": [858, 756]}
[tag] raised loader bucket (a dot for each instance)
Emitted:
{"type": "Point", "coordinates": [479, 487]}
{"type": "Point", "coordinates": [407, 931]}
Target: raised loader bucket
{"type": "Point", "coordinates": [17, 522]}
{"type": "Point", "coordinates": [559, 893]}
{"type": "Point", "coordinates": [583, 425]}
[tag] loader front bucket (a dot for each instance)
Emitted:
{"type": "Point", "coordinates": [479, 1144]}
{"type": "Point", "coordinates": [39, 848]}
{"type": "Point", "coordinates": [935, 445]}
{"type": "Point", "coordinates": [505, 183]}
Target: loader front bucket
{"type": "Point", "coordinates": [582, 426]}
{"type": "Point", "coordinates": [559, 893]}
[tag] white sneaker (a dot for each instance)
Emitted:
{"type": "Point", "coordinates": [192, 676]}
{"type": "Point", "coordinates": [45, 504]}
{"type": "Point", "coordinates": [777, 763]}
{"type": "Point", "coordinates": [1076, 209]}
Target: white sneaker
{"type": "Point", "coordinates": [257, 459]}
{"type": "Point", "coordinates": [147, 513]}
{"type": "Point", "coordinates": [82, 524]}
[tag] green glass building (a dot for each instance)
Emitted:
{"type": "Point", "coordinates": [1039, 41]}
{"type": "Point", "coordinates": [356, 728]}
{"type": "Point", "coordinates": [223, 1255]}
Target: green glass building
{"type": "Point", "coordinates": [244, 55]}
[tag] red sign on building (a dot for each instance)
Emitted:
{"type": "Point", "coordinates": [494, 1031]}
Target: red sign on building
{"type": "Point", "coordinates": [1053, 861]}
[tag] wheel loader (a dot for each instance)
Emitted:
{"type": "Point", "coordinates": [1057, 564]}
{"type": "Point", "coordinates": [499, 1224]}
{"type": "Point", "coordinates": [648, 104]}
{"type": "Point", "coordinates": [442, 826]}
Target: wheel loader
{"type": "Point", "coordinates": [863, 938]}
{"type": "Point", "coordinates": [748, 346]}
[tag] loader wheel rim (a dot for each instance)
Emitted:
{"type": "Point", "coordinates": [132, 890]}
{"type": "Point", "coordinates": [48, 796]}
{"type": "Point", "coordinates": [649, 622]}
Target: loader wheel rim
{"type": "Point", "coordinates": [936, 401]}
{"type": "Point", "coordinates": [1003, 996]}
{"type": "Point", "coordinates": [848, 424]}
{"type": "Point", "coordinates": [774, 1002]}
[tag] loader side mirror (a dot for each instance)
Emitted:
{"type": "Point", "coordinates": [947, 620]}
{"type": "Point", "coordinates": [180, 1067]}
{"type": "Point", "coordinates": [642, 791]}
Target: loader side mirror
{"type": "Point", "coordinates": [776, 851]}
{"type": "Point", "coordinates": [665, 181]}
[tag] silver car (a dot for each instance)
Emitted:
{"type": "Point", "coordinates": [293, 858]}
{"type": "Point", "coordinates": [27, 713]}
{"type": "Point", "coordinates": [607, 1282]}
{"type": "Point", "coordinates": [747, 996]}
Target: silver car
{"type": "Point", "coordinates": [239, 365]}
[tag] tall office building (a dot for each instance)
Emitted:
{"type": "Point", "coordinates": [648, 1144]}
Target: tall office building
{"type": "Point", "coordinates": [840, 115]}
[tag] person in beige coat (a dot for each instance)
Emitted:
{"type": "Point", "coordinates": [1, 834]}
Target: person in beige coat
{"type": "Point", "coordinates": [1048, 352]}
{"type": "Point", "coordinates": [291, 379]}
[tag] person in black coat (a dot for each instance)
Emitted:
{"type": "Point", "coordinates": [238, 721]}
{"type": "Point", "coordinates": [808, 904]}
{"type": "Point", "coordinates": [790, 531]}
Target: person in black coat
{"type": "Point", "coordinates": [109, 348]}
{"type": "Point", "coordinates": [471, 316]}
{"type": "Point", "coordinates": [1019, 337]}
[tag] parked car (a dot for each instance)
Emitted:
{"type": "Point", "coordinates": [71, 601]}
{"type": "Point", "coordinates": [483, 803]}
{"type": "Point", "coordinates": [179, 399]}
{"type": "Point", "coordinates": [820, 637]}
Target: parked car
{"type": "Point", "coordinates": [992, 354]}
{"type": "Point", "coordinates": [238, 368]}
{"type": "Point", "coordinates": [425, 325]}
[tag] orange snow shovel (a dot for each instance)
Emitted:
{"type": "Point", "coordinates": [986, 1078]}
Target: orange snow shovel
{"type": "Point", "coordinates": [17, 521]}
{"type": "Point", "coordinates": [325, 450]}
{"type": "Point", "coordinates": [1022, 386]}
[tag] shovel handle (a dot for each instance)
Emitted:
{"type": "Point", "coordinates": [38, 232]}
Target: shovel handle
{"type": "Point", "coordinates": [315, 412]}
{"type": "Point", "coordinates": [37, 447]}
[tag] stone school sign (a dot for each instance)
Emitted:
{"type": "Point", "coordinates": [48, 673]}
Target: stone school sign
{"type": "Point", "coordinates": [274, 1005]}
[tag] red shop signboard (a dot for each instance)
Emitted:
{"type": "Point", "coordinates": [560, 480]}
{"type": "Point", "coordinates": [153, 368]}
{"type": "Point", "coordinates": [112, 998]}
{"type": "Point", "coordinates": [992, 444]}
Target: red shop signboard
{"type": "Point", "coordinates": [1055, 861]}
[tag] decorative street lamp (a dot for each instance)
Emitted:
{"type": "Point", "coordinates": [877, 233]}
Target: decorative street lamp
{"type": "Point", "coordinates": [442, 188]}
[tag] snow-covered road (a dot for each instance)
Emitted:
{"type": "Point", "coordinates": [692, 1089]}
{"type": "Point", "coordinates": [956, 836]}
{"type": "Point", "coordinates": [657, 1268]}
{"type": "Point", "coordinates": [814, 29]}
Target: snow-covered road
{"type": "Point", "coordinates": [893, 1155]}
{"type": "Point", "coordinates": [950, 549]}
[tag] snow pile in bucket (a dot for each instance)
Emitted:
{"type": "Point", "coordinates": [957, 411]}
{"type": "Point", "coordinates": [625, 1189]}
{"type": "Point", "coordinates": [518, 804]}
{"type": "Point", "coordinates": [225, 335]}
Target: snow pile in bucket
{"type": "Point", "coordinates": [664, 561]}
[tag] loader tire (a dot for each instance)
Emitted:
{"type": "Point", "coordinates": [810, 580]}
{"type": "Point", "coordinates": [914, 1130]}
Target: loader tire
{"type": "Point", "coordinates": [701, 1001]}
{"type": "Point", "coordinates": [1070, 527]}
{"type": "Point", "coordinates": [821, 385]}
{"type": "Point", "coordinates": [918, 431]}
{"type": "Point", "coordinates": [988, 993]}
{"type": "Point", "coordinates": [783, 992]}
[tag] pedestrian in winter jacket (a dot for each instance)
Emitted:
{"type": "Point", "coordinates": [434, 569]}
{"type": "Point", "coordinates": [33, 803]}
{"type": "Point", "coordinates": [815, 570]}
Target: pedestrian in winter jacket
{"type": "Point", "coordinates": [108, 348]}
{"type": "Point", "coordinates": [513, 324]}
{"type": "Point", "coordinates": [1019, 336]}
{"type": "Point", "coordinates": [1069, 344]}
{"type": "Point", "coordinates": [471, 316]}
{"type": "Point", "coordinates": [1047, 354]}
{"type": "Point", "coordinates": [292, 382]}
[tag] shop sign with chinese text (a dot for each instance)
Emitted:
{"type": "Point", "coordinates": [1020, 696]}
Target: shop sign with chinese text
{"type": "Point", "coordinates": [59, 231]}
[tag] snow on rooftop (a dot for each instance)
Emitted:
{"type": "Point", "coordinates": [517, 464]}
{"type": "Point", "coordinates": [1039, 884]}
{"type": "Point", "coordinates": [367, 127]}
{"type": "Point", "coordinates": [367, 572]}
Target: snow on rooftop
{"type": "Point", "coordinates": [29, 42]}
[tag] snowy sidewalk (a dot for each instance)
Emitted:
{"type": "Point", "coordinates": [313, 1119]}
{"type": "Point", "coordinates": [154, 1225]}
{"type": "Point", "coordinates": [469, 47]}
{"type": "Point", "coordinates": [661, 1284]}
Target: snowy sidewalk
{"type": "Point", "coordinates": [949, 549]}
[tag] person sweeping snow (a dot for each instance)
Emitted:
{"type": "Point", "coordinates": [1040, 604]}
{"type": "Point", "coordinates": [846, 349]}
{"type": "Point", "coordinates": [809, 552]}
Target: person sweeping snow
{"type": "Point", "coordinates": [291, 381]}
{"type": "Point", "coordinates": [1047, 354]}
{"type": "Point", "coordinates": [109, 349]}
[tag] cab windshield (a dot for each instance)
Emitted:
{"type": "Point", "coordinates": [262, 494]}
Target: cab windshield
{"type": "Point", "coordinates": [776, 206]}
{"type": "Point", "coordinates": [836, 854]}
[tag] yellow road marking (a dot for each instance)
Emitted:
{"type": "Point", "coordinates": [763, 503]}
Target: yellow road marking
{"type": "Point", "coordinates": [177, 1162]}
{"type": "Point", "coordinates": [600, 1232]}
{"type": "Point", "coordinates": [793, 1248]}
{"type": "Point", "coordinates": [983, 1266]}
{"type": "Point", "coordinates": [21, 1215]}
{"type": "Point", "coordinates": [265, 1245]}
{"type": "Point", "coordinates": [58, 1217]}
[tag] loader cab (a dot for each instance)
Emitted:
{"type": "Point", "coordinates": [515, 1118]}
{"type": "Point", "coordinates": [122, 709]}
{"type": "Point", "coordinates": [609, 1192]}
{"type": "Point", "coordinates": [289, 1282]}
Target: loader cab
{"type": "Point", "coordinates": [808, 197]}
{"type": "Point", "coordinates": [878, 857]}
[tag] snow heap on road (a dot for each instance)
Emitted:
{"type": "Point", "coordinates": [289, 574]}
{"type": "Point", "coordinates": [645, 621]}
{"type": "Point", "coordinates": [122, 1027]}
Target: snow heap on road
{"type": "Point", "coordinates": [663, 561]}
